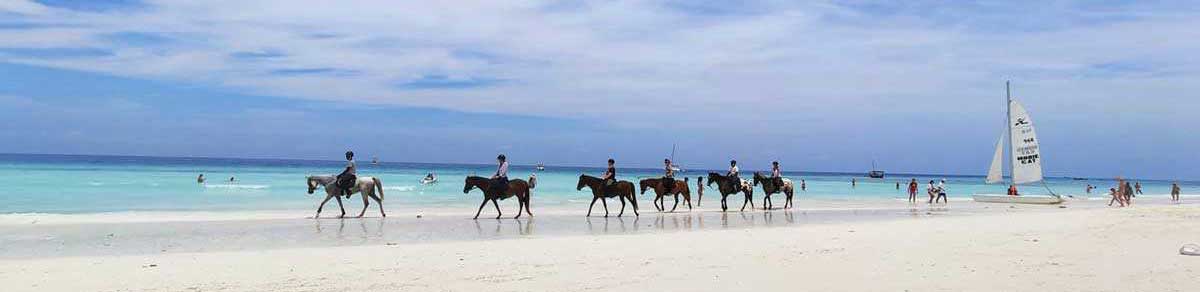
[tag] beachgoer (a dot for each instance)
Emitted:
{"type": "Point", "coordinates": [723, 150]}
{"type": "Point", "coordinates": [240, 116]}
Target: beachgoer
{"type": "Point", "coordinates": [776, 175]}
{"type": "Point", "coordinates": [349, 176]}
{"type": "Point", "coordinates": [700, 187]}
{"type": "Point", "coordinates": [803, 185]}
{"type": "Point", "coordinates": [932, 191]}
{"type": "Point", "coordinates": [1012, 190]}
{"type": "Point", "coordinates": [853, 183]}
{"type": "Point", "coordinates": [232, 179]}
{"type": "Point", "coordinates": [897, 186]}
{"type": "Point", "coordinates": [200, 179]}
{"type": "Point", "coordinates": [500, 178]}
{"type": "Point", "coordinates": [941, 192]}
{"type": "Point", "coordinates": [733, 173]}
{"type": "Point", "coordinates": [610, 175]}
{"type": "Point", "coordinates": [1116, 197]}
{"type": "Point", "coordinates": [912, 191]}
{"type": "Point", "coordinates": [1129, 194]}
{"type": "Point", "coordinates": [1175, 192]}
{"type": "Point", "coordinates": [1137, 188]}
{"type": "Point", "coordinates": [668, 179]}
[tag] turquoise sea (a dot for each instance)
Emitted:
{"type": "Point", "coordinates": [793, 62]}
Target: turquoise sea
{"type": "Point", "coordinates": [92, 184]}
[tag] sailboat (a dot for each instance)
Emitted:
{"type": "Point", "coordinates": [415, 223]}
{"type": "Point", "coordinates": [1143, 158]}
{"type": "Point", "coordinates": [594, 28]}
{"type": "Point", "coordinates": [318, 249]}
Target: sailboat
{"type": "Point", "coordinates": [674, 167]}
{"type": "Point", "coordinates": [874, 173]}
{"type": "Point", "coordinates": [1025, 159]}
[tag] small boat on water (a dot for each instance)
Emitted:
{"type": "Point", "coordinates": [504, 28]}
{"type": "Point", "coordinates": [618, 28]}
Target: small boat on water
{"type": "Point", "coordinates": [541, 167]}
{"type": "Point", "coordinates": [675, 167]}
{"type": "Point", "coordinates": [874, 173]}
{"type": "Point", "coordinates": [429, 179]}
{"type": "Point", "coordinates": [375, 160]}
{"type": "Point", "coordinates": [1025, 159]}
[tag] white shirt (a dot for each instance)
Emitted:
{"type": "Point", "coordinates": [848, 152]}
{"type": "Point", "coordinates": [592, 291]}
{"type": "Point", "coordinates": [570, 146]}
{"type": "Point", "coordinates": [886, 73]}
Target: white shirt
{"type": "Point", "coordinates": [941, 187]}
{"type": "Point", "coordinates": [503, 170]}
{"type": "Point", "coordinates": [351, 168]}
{"type": "Point", "coordinates": [733, 169]}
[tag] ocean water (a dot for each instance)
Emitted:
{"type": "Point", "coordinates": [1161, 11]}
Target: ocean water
{"type": "Point", "coordinates": [93, 184]}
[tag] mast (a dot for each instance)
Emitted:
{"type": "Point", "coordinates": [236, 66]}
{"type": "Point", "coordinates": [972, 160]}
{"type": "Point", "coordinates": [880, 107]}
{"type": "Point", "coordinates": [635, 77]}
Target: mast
{"type": "Point", "coordinates": [1012, 167]}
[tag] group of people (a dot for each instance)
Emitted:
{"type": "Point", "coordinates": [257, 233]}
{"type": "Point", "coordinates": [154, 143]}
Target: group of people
{"type": "Point", "coordinates": [936, 192]}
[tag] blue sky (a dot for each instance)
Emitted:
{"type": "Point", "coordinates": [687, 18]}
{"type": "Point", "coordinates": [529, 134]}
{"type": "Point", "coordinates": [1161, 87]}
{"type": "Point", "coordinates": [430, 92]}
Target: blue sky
{"type": "Point", "coordinates": [820, 85]}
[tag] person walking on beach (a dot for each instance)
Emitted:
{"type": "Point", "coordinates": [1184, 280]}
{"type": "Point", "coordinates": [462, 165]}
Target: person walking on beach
{"type": "Point", "coordinates": [349, 176]}
{"type": "Point", "coordinates": [932, 191]}
{"type": "Point", "coordinates": [1175, 192]}
{"type": "Point", "coordinates": [500, 178]}
{"type": "Point", "coordinates": [1116, 197]}
{"type": "Point", "coordinates": [668, 179]}
{"type": "Point", "coordinates": [941, 192]}
{"type": "Point", "coordinates": [912, 191]}
{"type": "Point", "coordinates": [699, 189]}
{"type": "Point", "coordinates": [1137, 188]}
{"type": "Point", "coordinates": [1129, 195]}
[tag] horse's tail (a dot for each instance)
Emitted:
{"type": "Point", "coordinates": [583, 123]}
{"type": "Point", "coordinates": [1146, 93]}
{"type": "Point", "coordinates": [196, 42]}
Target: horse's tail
{"type": "Point", "coordinates": [532, 181]}
{"type": "Point", "coordinates": [378, 187]}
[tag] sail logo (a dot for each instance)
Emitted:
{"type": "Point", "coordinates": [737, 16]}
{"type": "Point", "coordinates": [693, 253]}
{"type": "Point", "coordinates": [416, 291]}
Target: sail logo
{"type": "Point", "coordinates": [1027, 159]}
{"type": "Point", "coordinates": [1021, 122]}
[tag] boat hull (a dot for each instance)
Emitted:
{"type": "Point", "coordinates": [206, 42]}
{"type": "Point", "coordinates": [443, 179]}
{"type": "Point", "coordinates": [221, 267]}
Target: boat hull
{"type": "Point", "coordinates": [1044, 200]}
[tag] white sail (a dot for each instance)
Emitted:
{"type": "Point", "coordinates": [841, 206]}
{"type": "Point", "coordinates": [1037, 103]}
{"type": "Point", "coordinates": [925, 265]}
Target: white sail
{"type": "Point", "coordinates": [1026, 157]}
{"type": "Point", "coordinates": [995, 172]}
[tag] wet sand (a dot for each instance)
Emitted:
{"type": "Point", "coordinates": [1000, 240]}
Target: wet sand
{"type": "Point", "coordinates": [966, 246]}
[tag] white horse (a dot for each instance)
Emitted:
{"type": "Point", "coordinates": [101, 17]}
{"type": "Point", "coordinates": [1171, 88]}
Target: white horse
{"type": "Point", "coordinates": [367, 185]}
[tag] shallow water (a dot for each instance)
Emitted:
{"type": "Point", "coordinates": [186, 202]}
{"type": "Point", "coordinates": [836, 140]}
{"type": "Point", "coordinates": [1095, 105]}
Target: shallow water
{"type": "Point", "coordinates": [91, 184]}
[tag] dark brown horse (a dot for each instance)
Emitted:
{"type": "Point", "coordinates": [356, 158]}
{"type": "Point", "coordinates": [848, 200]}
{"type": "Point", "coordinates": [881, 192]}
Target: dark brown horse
{"type": "Point", "coordinates": [681, 188]}
{"type": "Point", "coordinates": [769, 187]}
{"type": "Point", "coordinates": [516, 187]}
{"type": "Point", "coordinates": [728, 187]}
{"type": "Point", "coordinates": [621, 189]}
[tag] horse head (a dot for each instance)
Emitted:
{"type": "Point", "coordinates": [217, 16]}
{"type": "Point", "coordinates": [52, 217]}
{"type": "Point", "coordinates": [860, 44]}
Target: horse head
{"type": "Point", "coordinates": [311, 187]}
{"type": "Point", "coordinates": [645, 183]}
{"type": "Point", "coordinates": [470, 183]}
{"type": "Point", "coordinates": [579, 186]}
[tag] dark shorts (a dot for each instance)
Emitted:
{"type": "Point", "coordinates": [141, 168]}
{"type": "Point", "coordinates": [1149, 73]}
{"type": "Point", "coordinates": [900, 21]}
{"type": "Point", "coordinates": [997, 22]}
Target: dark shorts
{"type": "Point", "coordinates": [346, 181]}
{"type": "Point", "coordinates": [668, 184]}
{"type": "Point", "coordinates": [500, 184]}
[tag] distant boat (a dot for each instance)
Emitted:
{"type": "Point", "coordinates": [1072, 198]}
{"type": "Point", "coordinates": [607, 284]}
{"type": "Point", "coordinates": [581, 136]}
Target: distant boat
{"type": "Point", "coordinates": [541, 167]}
{"type": "Point", "coordinates": [429, 178]}
{"type": "Point", "coordinates": [1025, 158]}
{"type": "Point", "coordinates": [675, 167]}
{"type": "Point", "coordinates": [874, 173]}
{"type": "Point", "coordinates": [375, 160]}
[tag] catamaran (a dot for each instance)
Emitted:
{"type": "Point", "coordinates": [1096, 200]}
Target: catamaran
{"type": "Point", "coordinates": [1025, 159]}
{"type": "Point", "coordinates": [675, 167]}
{"type": "Point", "coordinates": [874, 173]}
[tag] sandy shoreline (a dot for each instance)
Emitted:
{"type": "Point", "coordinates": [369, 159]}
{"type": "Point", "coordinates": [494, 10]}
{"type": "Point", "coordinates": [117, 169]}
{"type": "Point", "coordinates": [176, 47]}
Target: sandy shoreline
{"type": "Point", "coordinates": [1073, 249]}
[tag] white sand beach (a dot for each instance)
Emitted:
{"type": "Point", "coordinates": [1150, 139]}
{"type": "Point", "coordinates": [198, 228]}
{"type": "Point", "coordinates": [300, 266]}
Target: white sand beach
{"type": "Point", "coordinates": [1050, 249]}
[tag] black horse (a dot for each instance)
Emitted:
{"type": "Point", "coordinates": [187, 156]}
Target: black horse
{"type": "Point", "coordinates": [728, 187]}
{"type": "Point", "coordinates": [769, 187]}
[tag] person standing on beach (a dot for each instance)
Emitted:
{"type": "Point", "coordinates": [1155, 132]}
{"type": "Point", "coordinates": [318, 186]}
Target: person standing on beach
{"type": "Point", "coordinates": [500, 178]}
{"type": "Point", "coordinates": [897, 186]}
{"type": "Point", "coordinates": [803, 185]}
{"type": "Point", "coordinates": [349, 176]}
{"type": "Point", "coordinates": [1129, 195]}
{"type": "Point", "coordinates": [1137, 188]}
{"type": "Point", "coordinates": [699, 189]}
{"type": "Point", "coordinates": [1175, 192]}
{"type": "Point", "coordinates": [932, 191]}
{"type": "Point", "coordinates": [941, 192]}
{"type": "Point", "coordinates": [853, 183]}
{"type": "Point", "coordinates": [912, 191]}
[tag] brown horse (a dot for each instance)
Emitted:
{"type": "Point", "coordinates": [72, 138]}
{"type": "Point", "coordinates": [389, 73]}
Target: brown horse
{"type": "Point", "coordinates": [681, 188]}
{"type": "Point", "coordinates": [728, 187]}
{"type": "Point", "coordinates": [769, 187]}
{"type": "Point", "coordinates": [621, 189]}
{"type": "Point", "coordinates": [516, 187]}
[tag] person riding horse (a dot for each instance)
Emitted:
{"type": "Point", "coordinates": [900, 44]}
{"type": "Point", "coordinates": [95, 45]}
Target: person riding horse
{"type": "Point", "coordinates": [349, 176]}
{"type": "Point", "coordinates": [610, 175]}
{"type": "Point", "coordinates": [500, 179]}
{"type": "Point", "coordinates": [776, 175]}
{"type": "Point", "coordinates": [733, 173]}
{"type": "Point", "coordinates": [668, 180]}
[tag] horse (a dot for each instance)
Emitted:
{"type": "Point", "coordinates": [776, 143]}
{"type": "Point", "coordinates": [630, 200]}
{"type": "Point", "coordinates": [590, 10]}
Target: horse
{"type": "Point", "coordinates": [621, 189]}
{"type": "Point", "coordinates": [367, 185]}
{"type": "Point", "coordinates": [681, 188]}
{"type": "Point", "coordinates": [769, 187]}
{"type": "Point", "coordinates": [727, 187]}
{"type": "Point", "coordinates": [516, 187]}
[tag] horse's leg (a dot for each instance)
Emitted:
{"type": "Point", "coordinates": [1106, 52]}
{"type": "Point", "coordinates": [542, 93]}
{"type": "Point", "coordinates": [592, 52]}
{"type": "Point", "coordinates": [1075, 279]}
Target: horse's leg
{"type": "Point", "coordinates": [633, 200]}
{"type": "Point", "coordinates": [339, 201]}
{"type": "Point", "coordinates": [657, 196]}
{"type": "Point", "coordinates": [528, 197]}
{"type": "Point", "coordinates": [748, 200]}
{"type": "Point", "coordinates": [380, 202]}
{"type": "Point", "coordinates": [480, 208]}
{"type": "Point", "coordinates": [591, 206]}
{"type": "Point", "coordinates": [497, 205]}
{"type": "Point", "coordinates": [605, 202]}
{"type": "Point", "coordinates": [322, 206]}
{"type": "Point", "coordinates": [520, 205]}
{"type": "Point", "coordinates": [767, 203]}
{"type": "Point", "coordinates": [676, 205]}
{"type": "Point", "coordinates": [622, 197]}
{"type": "Point", "coordinates": [723, 205]}
{"type": "Point", "coordinates": [366, 203]}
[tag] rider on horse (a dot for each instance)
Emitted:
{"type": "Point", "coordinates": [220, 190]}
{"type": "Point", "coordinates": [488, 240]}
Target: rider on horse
{"type": "Point", "coordinates": [733, 174]}
{"type": "Point", "coordinates": [348, 177]}
{"type": "Point", "coordinates": [668, 180]}
{"type": "Point", "coordinates": [500, 179]}
{"type": "Point", "coordinates": [610, 175]}
{"type": "Point", "coordinates": [776, 175]}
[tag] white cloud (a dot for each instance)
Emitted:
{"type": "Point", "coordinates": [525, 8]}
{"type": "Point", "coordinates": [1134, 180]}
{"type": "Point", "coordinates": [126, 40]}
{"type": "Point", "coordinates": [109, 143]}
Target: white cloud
{"type": "Point", "coordinates": [632, 62]}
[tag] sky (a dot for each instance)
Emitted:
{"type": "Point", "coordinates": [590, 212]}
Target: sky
{"type": "Point", "coordinates": [916, 86]}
